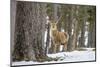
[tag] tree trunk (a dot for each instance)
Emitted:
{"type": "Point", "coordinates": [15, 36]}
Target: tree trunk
{"type": "Point", "coordinates": [92, 36]}
{"type": "Point", "coordinates": [83, 30]}
{"type": "Point", "coordinates": [74, 40]}
{"type": "Point", "coordinates": [75, 28]}
{"type": "Point", "coordinates": [48, 39]}
{"type": "Point", "coordinates": [29, 32]}
{"type": "Point", "coordinates": [82, 38]}
{"type": "Point", "coordinates": [70, 28]}
{"type": "Point", "coordinates": [91, 27]}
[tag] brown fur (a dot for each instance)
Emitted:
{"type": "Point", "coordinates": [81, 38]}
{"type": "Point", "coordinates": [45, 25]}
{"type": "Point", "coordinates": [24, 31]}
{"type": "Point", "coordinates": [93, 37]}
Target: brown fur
{"type": "Point", "coordinates": [58, 38]}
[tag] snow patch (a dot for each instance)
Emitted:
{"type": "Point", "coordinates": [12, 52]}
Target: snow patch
{"type": "Point", "coordinates": [74, 56]}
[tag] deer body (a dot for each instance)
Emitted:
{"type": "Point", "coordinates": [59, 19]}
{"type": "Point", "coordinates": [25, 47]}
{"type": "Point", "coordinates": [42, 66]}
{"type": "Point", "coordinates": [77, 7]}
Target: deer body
{"type": "Point", "coordinates": [58, 38]}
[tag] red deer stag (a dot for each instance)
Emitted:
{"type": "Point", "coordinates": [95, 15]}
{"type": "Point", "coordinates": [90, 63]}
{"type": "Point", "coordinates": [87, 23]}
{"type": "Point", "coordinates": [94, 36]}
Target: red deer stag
{"type": "Point", "coordinates": [58, 38]}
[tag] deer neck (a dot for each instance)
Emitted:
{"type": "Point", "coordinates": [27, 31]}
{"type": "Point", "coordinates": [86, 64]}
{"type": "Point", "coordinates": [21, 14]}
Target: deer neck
{"type": "Point", "coordinates": [54, 32]}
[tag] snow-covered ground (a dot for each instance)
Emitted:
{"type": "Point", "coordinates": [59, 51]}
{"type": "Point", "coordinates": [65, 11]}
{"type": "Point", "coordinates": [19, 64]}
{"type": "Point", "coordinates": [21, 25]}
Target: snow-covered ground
{"type": "Point", "coordinates": [74, 56]}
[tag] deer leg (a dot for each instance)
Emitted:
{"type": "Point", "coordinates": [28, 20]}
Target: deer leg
{"type": "Point", "coordinates": [58, 48]}
{"type": "Point", "coordinates": [65, 47]}
{"type": "Point", "coordinates": [55, 48]}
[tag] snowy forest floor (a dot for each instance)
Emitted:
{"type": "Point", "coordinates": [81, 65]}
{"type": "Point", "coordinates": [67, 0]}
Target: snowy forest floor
{"type": "Point", "coordinates": [75, 56]}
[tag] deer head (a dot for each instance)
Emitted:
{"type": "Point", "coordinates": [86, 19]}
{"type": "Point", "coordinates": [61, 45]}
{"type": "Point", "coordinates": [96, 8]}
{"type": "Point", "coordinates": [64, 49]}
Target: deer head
{"type": "Point", "coordinates": [53, 24]}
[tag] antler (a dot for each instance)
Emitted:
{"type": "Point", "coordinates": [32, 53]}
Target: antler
{"type": "Point", "coordinates": [58, 19]}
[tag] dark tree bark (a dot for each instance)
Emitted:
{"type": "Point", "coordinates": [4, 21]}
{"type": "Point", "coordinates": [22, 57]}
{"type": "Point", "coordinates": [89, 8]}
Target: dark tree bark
{"type": "Point", "coordinates": [75, 28]}
{"type": "Point", "coordinates": [92, 36]}
{"type": "Point", "coordinates": [29, 32]}
{"type": "Point", "coordinates": [82, 38]}
{"type": "Point", "coordinates": [48, 39]}
{"type": "Point", "coordinates": [92, 27]}
{"type": "Point", "coordinates": [74, 40]}
{"type": "Point", "coordinates": [70, 17]}
{"type": "Point", "coordinates": [82, 29]}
